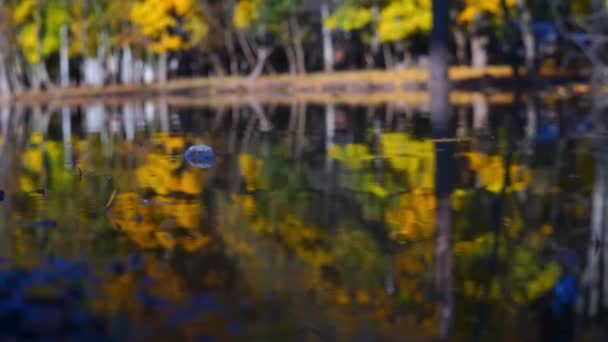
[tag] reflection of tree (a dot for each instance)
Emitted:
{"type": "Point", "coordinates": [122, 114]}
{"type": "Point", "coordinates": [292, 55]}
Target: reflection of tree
{"type": "Point", "coordinates": [592, 285]}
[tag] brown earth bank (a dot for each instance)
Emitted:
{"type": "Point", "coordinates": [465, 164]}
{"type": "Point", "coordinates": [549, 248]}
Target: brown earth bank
{"type": "Point", "coordinates": [357, 86]}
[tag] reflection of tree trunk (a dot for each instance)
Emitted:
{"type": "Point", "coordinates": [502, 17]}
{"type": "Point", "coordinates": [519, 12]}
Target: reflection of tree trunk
{"type": "Point", "coordinates": [328, 48]}
{"type": "Point", "coordinates": [591, 278]}
{"type": "Point", "coordinates": [480, 112]}
{"type": "Point", "coordinates": [163, 114]}
{"type": "Point", "coordinates": [219, 117]}
{"type": "Point", "coordinates": [293, 109]}
{"type": "Point", "coordinates": [265, 124]}
{"type": "Point", "coordinates": [330, 126]}
{"type": "Point", "coordinates": [66, 129]}
{"type": "Point", "coordinates": [301, 129]}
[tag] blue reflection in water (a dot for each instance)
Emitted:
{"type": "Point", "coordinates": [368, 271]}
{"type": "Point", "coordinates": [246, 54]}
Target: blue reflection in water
{"type": "Point", "coordinates": [49, 301]}
{"type": "Point", "coordinates": [200, 156]}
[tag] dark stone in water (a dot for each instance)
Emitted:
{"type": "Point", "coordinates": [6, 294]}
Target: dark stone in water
{"type": "Point", "coordinates": [200, 156]}
{"type": "Point", "coordinates": [2, 195]}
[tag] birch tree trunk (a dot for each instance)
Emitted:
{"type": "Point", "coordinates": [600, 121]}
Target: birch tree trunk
{"type": "Point", "coordinates": [328, 48]}
{"type": "Point", "coordinates": [257, 70]}
{"type": "Point", "coordinates": [232, 57]}
{"type": "Point", "coordinates": [126, 65]}
{"type": "Point", "coordinates": [479, 54]}
{"type": "Point", "coordinates": [162, 68]}
{"type": "Point", "coordinates": [246, 48]}
{"type": "Point", "coordinates": [5, 89]}
{"type": "Point", "coordinates": [300, 57]}
{"type": "Point", "coordinates": [528, 38]}
{"type": "Point", "coordinates": [64, 63]}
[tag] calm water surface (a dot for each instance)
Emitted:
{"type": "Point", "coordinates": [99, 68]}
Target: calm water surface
{"type": "Point", "coordinates": [316, 222]}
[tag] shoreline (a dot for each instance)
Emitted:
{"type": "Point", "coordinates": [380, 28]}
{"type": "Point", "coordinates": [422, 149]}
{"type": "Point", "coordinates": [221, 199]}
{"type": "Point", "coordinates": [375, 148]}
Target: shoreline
{"type": "Point", "coordinates": [343, 87]}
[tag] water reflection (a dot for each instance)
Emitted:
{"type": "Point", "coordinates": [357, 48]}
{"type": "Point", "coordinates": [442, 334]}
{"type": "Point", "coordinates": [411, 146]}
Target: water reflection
{"type": "Point", "coordinates": [325, 221]}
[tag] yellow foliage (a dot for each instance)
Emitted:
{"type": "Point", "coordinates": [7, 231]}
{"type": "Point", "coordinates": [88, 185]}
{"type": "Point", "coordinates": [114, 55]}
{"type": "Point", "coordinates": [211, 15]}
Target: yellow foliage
{"type": "Point", "coordinates": [402, 18]}
{"type": "Point", "coordinates": [155, 18]}
{"type": "Point", "coordinates": [23, 11]}
{"type": "Point", "coordinates": [245, 13]}
{"type": "Point", "coordinates": [475, 8]}
{"type": "Point", "coordinates": [29, 40]}
{"type": "Point", "coordinates": [348, 18]}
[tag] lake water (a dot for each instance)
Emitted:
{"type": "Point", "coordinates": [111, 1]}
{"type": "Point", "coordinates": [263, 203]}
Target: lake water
{"type": "Point", "coordinates": [316, 221]}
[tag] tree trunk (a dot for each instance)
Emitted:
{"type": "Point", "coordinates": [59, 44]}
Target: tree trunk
{"type": "Point", "coordinates": [291, 59]}
{"type": "Point", "coordinates": [375, 43]}
{"type": "Point", "coordinates": [232, 58]}
{"type": "Point", "coordinates": [461, 46]}
{"type": "Point", "coordinates": [126, 65]}
{"type": "Point", "coordinates": [328, 48]}
{"type": "Point", "coordinates": [5, 89]}
{"type": "Point", "coordinates": [388, 57]}
{"type": "Point", "coordinates": [528, 39]}
{"type": "Point", "coordinates": [440, 117]}
{"type": "Point", "coordinates": [298, 47]}
{"type": "Point", "coordinates": [246, 48]}
{"type": "Point", "coordinates": [92, 71]}
{"type": "Point", "coordinates": [64, 63]}
{"type": "Point", "coordinates": [479, 54]}
{"type": "Point", "coordinates": [162, 68]}
{"type": "Point", "coordinates": [16, 75]}
{"type": "Point", "coordinates": [262, 56]}
{"type": "Point", "coordinates": [216, 63]}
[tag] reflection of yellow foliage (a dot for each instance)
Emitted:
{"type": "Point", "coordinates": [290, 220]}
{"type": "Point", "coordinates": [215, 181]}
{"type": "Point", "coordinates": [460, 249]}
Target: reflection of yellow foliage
{"type": "Point", "coordinates": [250, 170]}
{"type": "Point", "coordinates": [491, 172]}
{"type": "Point", "coordinates": [352, 155]}
{"type": "Point", "coordinates": [414, 217]}
{"type": "Point", "coordinates": [122, 290]}
{"type": "Point", "coordinates": [135, 219]}
{"type": "Point", "coordinates": [416, 158]}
